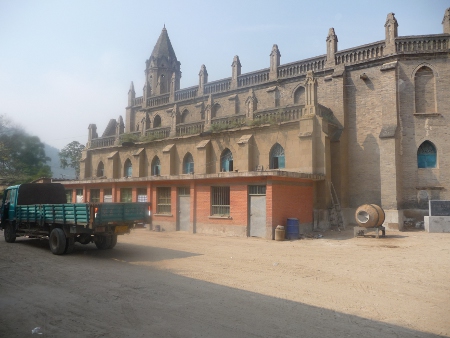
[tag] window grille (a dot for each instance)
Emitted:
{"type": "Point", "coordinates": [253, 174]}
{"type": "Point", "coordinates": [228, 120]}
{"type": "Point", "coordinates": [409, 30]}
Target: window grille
{"type": "Point", "coordinates": [69, 196]}
{"type": "Point", "coordinates": [257, 190]}
{"type": "Point", "coordinates": [107, 195]}
{"type": "Point", "coordinates": [142, 195]}
{"type": "Point", "coordinates": [95, 195]}
{"type": "Point", "coordinates": [125, 195]}
{"type": "Point", "coordinates": [184, 191]}
{"type": "Point", "coordinates": [220, 201]}
{"type": "Point", "coordinates": [80, 198]}
{"type": "Point", "coordinates": [164, 201]}
{"type": "Point", "coordinates": [426, 155]}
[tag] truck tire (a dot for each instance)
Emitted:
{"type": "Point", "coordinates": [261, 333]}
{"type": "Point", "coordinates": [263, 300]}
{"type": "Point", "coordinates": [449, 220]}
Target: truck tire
{"type": "Point", "coordinates": [70, 245]}
{"type": "Point", "coordinates": [10, 233]}
{"type": "Point", "coordinates": [103, 242]}
{"type": "Point", "coordinates": [57, 241]}
{"type": "Point", "coordinates": [113, 241]}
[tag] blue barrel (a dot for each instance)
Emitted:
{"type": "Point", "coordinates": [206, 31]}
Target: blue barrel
{"type": "Point", "coordinates": [293, 226]}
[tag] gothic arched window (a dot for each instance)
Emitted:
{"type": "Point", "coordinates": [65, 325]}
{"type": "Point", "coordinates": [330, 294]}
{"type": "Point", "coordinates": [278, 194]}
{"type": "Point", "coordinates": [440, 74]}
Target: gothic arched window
{"type": "Point", "coordinates": [157, 122]}
{"type": "Point", "coordinates": [425, 91]}
{"type": "Point", "coordinates": [128, 168]}
{"type": "Point", "coordinates": [426, 155]}
{"type": "Point", "coordinates": [299, 96]}
{"type": "Point", "coordinates": [100, 169]}
{"type": "Point", "coordinates": [188, 164]}
{"type": "Point", "coordinates": [226, 160]}
{"type": "Point", "coordinates": [156, 166]}
{"type": "Point", "coordinates": [277, 160]}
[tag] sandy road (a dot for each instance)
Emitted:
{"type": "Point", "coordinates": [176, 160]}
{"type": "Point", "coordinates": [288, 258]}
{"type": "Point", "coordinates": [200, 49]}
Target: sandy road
{"type": "Point", "coordinates": [180, 285]}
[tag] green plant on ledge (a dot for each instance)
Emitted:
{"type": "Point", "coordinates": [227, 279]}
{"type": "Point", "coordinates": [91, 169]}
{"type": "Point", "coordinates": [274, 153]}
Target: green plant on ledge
{"type": "Point", "coordinates": [128, 137]}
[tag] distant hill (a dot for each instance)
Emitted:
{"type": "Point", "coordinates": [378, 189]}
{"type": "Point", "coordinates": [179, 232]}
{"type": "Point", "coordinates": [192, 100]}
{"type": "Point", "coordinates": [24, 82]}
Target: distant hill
{"type": "Point", "coordinates": [57, 171]}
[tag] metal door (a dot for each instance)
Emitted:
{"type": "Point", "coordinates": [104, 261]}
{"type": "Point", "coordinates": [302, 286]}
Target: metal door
{"type": "Point", "coordinates": [184, 209]}
{"type": "Point", "coordinates": [257, 215]}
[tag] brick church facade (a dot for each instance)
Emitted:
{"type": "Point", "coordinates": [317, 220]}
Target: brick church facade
{"type": "Point", "coordinates": [312, 139]}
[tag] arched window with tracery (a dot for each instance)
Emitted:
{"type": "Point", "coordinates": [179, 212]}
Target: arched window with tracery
{"type": "Point", "coordinates": [157, 122]}
{"type": "Point", "coordinates": [156, 166]}
{"type": "Point", "coordinates": [425, 91]}
{"type": "Point", "coordinates": [128, 168]}
{"type": "Point", "coordinates": [426, 155]}
{"type": "Point", "coordinates": [188, 164]}
{"type": "Point", "coordinates": [100, 169]}
{"type": "Point", "coordinates": [277, 159]}
{"type": "Point", "coordinates": [226, 160]}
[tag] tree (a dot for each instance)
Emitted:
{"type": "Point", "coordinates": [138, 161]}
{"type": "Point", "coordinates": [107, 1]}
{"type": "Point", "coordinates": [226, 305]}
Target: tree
{"type": "Point", "coordinates": [22, 157]}
{"type": "Point", "coordinates": [70, 156]}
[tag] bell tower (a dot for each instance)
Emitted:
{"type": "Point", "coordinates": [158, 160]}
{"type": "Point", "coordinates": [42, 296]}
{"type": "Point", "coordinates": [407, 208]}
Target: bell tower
{"type": "Point", "coordinates": [161, 66]}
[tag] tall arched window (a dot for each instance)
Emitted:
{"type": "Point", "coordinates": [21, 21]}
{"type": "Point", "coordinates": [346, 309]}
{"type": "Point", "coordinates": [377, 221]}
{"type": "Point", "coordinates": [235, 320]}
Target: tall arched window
{"type": "Point", "coordinates": [100, 169]}
{"type": "Point", "coordinates": [216, 110]}
{"type": "Point", "coordinates": [426, 155]}
{"type": "Point", "coordinates": [157, 122]}
{"type": "Point", "coordinates": [299, 95]}
{"type": "Point", "coordinates": [128, 168]}
{"type": "Point", "coordinates": [188, 164]}
{"type": "Point", "coordinates": [226, 160]}
{"type": "Point", "coordinates": [277, 157]}
{"type": "Point", "coordinates": [425, 91]}
{"type": "Point", "coordinates": [156, 166]}
{"type": "Point", "coordinates": [185, 116]}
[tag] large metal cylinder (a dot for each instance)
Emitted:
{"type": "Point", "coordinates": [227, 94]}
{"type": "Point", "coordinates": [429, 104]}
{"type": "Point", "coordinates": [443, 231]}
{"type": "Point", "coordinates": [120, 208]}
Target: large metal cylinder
{"type": "Point", "coordinates": [369, 216]}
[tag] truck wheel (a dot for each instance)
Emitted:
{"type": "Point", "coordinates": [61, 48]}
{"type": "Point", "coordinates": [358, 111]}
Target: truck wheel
{"type": "Point", "coordinates": [70, 245]}
{"type": "Point", "coordinates": [103, 242]}
{"type": "Point", "coordinates": [57, 241]}
{"type": "Point", "coordinates": [113, 241]}
{"type": "Point", "coordinates": [10, 233]}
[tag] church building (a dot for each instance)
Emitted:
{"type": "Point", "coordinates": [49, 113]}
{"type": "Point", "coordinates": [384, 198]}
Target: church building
{"type": "Point", "coordinates": [312, 139]}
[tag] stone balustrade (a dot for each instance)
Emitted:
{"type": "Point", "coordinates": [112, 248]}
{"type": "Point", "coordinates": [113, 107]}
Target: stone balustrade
{"type": "Point", "coordinates": [158, 133]}
{"type": "Point", "coordinates": [102, 142]}
{"type": "Point", "coordinates": [284, 114]}
{"type": "Point", "coordinates": [190, 128]}
{"type": "Point", "coordinates": [186, 94]}
{"type": "Point", "coordinates": [361, 53]}
{"type": "Point", "coordinates": [253, 78]}
{"type": "Point", "coordinates": [217, 86]}
{"type": "Point", "coordinates": [138, 101]}
{"type": "Point", "coordinates": [422, 43]}
{"type": "Point", "coordinates": [301, 67]}
{"type": "Point", "coordinates": [158, 100]}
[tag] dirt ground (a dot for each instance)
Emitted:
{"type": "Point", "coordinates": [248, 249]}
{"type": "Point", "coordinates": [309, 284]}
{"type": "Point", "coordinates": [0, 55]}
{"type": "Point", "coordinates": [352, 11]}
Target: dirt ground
{"type": "Point", "coordinates": [400, 280]}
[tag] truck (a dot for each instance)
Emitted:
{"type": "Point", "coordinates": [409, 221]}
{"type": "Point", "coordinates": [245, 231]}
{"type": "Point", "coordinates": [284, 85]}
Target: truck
{"type": "Point", "coordinates": [40, 210]}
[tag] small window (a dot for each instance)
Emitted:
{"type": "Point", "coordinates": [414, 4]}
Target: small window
{"type": "Point", "coordinates": [107, 195]}
{"type": "Point", "coordinates": [277, 157]}
{"type": "Point", "coordinates": [142, 194]}
{"type": "Point", "coordinates": [257, 190]}
{"type": "Point", "coordinates": [125, 195]}
{"type": "Point", "coordinates": [157, 122]}
{"type": "Point", "coordinates": [164, 201]}
{"type": "Point", "coordinates": [220, 201]}
{"type": "Point", "coordinates": [426, 155]}
{"type": "Point", "coordinates": [226, 160]}
{"type": "Point", "coordinates": [156, 166]}
{"type": "Point", "coordinates": [80, 198]}
{"type": "Point", "coordinates": [69, 195]}
{"type": "Point", "coordinates": [188, 164]}
{"type": "Point", "coordinates": [100, 170]}
{"type": "Point", "coordinates": [184, 191]}
{"type": "Point", "coordinates": [128, 168]}
{"type": "Point", "coordinates": [95, 195]}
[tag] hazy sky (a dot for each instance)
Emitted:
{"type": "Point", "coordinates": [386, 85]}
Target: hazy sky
{"type": "Point", "coordinates": [67, 64]}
